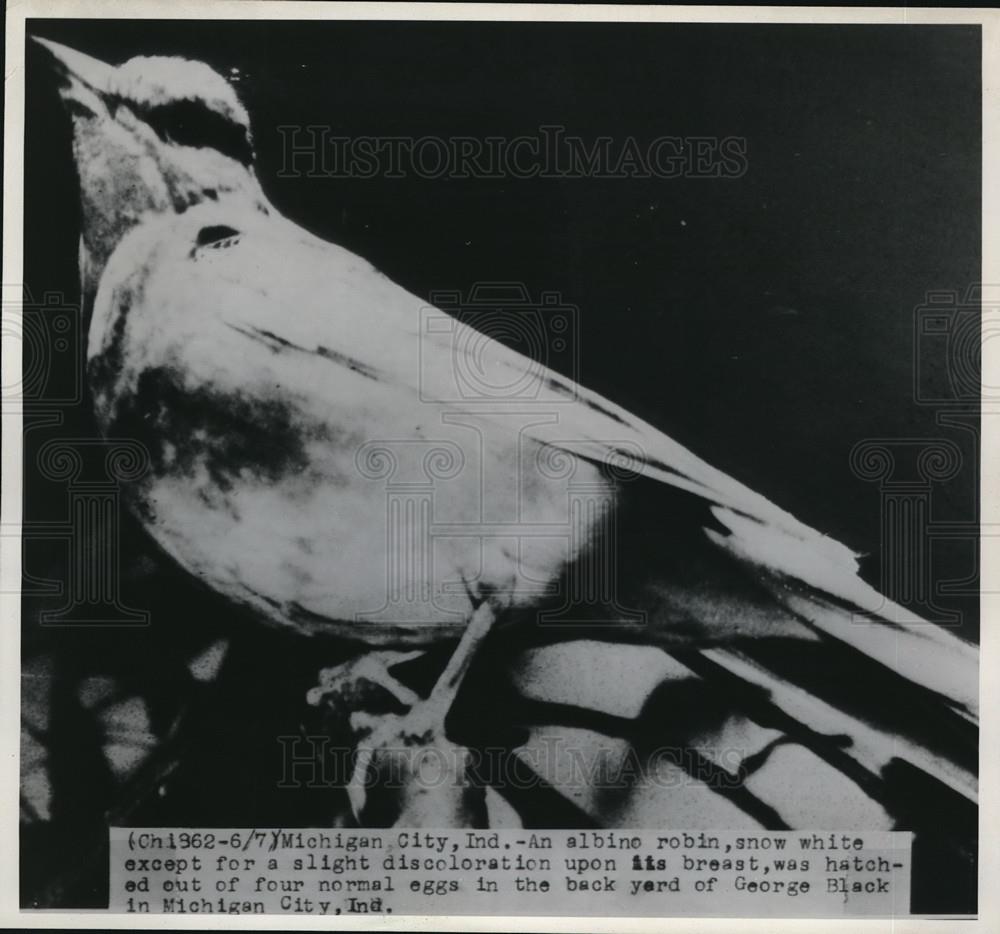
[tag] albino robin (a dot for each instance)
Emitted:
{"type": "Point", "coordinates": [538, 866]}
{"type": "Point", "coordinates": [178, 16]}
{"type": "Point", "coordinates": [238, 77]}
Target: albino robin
{"type": "Point", "coordinates": [312, 461]}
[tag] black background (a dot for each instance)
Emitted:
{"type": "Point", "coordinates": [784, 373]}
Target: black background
{"type": "Point", "coordinates": [770, 331]}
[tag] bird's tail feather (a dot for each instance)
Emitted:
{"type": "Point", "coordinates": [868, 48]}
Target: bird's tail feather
{"type": "Point", "coordinates": [888, 698]}
{"type": "Point", "coordinates": [843, 607]}
{"type": "Point", "coordinates": [871, 695]}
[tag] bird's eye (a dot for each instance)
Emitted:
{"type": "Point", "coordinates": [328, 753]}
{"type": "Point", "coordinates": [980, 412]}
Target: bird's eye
{"type": "Point", "coordinates": [189, 123]}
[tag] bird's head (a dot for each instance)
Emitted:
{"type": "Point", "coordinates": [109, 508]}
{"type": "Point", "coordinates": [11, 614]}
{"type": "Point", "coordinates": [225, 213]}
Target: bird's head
{"type": "Point", "coordinates": [154, 135]}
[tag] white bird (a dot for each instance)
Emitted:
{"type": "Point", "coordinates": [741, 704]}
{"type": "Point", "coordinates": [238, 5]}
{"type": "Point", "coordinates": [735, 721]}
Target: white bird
{"type": "Point", "coordinates": [276, 379]}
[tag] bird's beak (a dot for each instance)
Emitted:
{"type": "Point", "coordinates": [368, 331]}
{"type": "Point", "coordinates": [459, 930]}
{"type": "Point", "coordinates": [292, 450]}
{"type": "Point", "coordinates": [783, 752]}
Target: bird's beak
{"type": "Point", "coordinates": [86, 80]}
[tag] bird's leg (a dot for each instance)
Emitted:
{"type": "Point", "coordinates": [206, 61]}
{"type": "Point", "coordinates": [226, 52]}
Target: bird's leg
{"type": "Point", "coordinates": [430, 714]}
{"type": "Point", "coordinates": [394, 758]}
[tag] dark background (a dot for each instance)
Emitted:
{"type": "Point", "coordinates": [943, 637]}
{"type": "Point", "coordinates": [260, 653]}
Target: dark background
{"type": "Point", "coordinates": [770, 332]}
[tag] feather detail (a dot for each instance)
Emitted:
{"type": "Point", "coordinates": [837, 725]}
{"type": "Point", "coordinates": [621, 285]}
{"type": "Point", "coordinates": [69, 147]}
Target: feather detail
{"type": "Point", "coordinates": [913, 648]}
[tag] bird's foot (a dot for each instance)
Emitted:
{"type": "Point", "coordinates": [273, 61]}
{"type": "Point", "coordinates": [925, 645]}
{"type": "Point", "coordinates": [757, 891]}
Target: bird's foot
{"type": "Point", "coordinates": [356, 684]}
{"type": "Point", "coordinates": [407, 771]}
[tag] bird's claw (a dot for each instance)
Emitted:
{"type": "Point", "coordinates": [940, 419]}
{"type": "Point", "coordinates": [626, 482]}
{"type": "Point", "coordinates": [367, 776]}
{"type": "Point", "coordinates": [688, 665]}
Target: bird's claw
{"type": "Point", "coordinates": [350, 686]}
{"type": "Point", "coordinates": [386, 740]}
{"type": "Point", "coordinates": [417, 775]}
{"type": "Point", "coordinates": [396, 750]}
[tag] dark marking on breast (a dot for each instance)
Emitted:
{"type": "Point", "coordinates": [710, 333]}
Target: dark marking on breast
{"type": "Point", "coordinates": [235, 437]}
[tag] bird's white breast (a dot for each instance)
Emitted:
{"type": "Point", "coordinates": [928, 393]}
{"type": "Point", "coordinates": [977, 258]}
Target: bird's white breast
{"type": "Point", "coordinates": [299, 459]}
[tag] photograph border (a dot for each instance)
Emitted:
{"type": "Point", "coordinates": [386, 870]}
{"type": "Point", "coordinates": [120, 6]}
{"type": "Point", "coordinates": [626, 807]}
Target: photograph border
{"type": "Point", "coordinates": [11, 504]}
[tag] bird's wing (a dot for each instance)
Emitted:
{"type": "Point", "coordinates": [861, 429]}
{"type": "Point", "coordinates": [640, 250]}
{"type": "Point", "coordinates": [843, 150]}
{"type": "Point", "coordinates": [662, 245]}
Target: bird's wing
{"type": "Point", "coordinates": [368, 317]}
{"type": "Point", "coordinates": [806, 573]}
{"type": "Point", "coordinates": [272, 281]}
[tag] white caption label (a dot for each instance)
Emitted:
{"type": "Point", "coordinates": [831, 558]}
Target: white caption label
{"type": "Point", "coordinates": [522, 872]}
